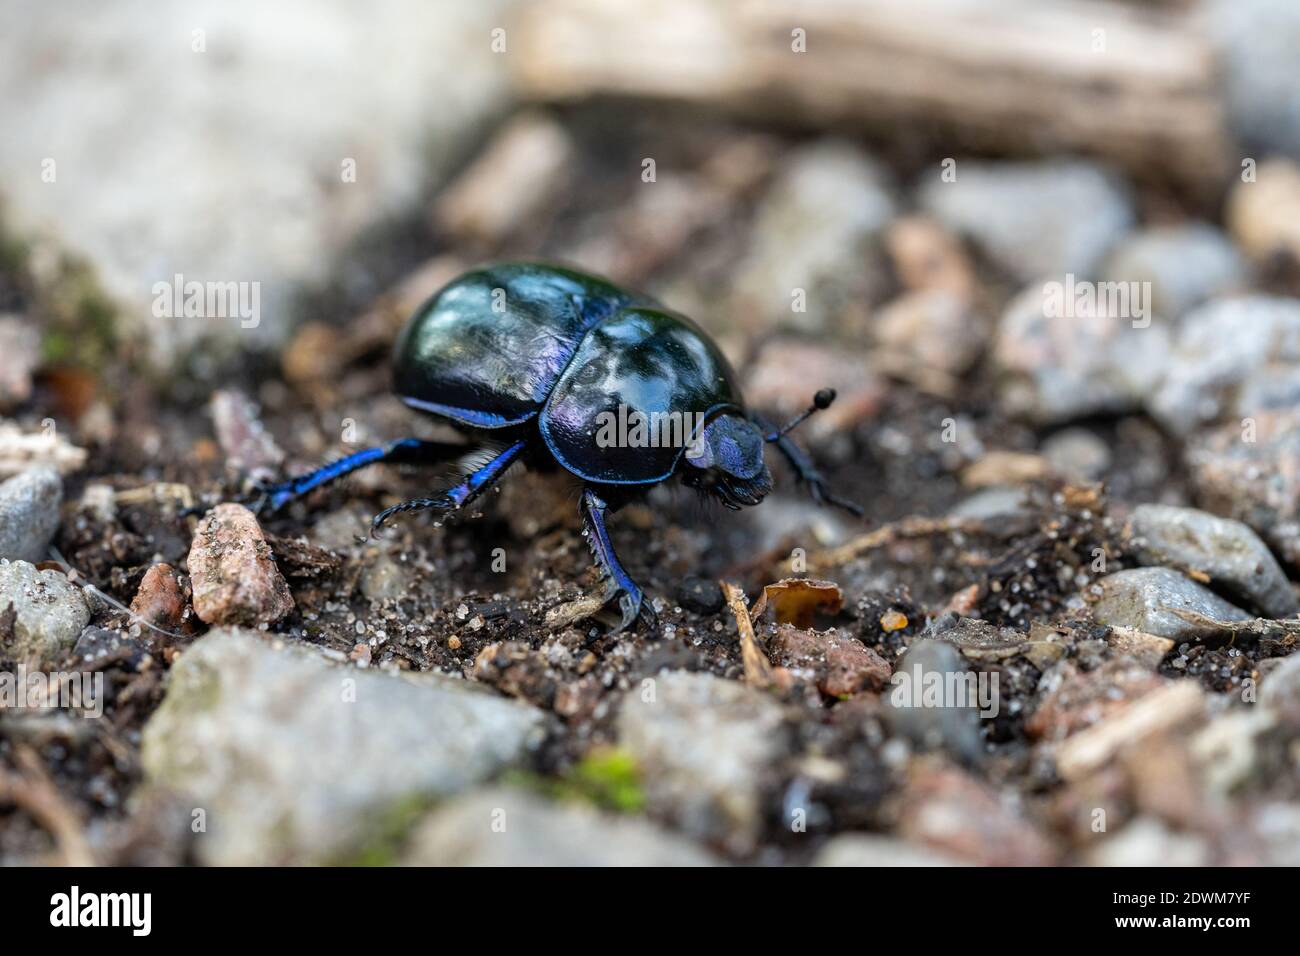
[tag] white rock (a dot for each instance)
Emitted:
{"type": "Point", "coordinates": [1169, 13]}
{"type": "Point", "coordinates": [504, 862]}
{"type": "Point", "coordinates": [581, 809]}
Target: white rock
{"type": "Point", "coordinates": [293, 758]}
{"type": "Point", "coordinates": [227, 163]}
{"type": "Point", "coordinates": [705, 746]}
{"type": "Point", "coordinates": [1033, 218]}
{"type": "Point", "coordinates": [501, 827]}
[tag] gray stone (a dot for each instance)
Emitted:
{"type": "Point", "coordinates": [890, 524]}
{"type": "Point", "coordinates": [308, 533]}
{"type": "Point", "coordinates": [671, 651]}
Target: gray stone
{"type": "Point", "coordinates": [297, 759]}
{"type": "Point", "coordinates": [990, 503]}
{"type": "Point", "coordinates": [49, 612]}
{"type": "Point", "coordinates": [1257, 42]}
{"type": "Point", "coordinates": [29, 513]}
{"type": "Point", "coordinates": [982, 642]}
{"type": "Point", "coordinates": [241, 175]}
{"type": "Point", "coordinates": [385, 579]}
{"type": "Point", "coordinates": [96, 644]}
{"type": "Point", "coordinates": [502, 827]}
{"type": "Point", "coordinates": [1219, 350]}
{"type": "Point", "coordinates": [1250, 470]}
{"type": "Point", "coordinates": [1228, 551]}
{"type": "Point", "coordinates": [869, 849]}
{"type": "Point", "coordinates": [1034, 219]}
{"type": "Point", "coordinates": [1185, 264]}
{"type": "Point", "coordinates": [812, 232]}
{"type": "Point", "coordinates": [706, 747]}
{"type": "Point", "coordinates": [1061, 363]}
{"type": "Point", "coordinates": [1077, 454]}
{"type": "Point", "coordinates": [953, 727]}
{"type": "Point", "coordinates": [1145, 599]}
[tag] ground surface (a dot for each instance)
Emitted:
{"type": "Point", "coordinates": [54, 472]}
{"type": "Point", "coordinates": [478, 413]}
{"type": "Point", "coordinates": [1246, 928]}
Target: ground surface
{"type": "Point", "coordinates": [979, 508]}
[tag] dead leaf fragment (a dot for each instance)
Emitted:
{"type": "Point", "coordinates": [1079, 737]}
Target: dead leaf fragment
{"type": "Point", "coordinates": [796, 600]}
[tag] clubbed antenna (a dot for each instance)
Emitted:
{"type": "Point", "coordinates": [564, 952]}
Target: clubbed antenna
{"type": "Point", "coordinates": [821, 401]}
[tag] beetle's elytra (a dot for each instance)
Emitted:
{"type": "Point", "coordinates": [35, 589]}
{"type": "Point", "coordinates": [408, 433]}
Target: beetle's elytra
{"type": "Point", "coordinates": [529, 359]}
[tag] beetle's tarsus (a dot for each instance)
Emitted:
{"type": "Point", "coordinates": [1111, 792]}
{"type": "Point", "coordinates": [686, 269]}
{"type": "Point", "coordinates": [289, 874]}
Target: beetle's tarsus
{"type": "Point", "coordinates": [822, 494]}
{"type": "Point", "coordinates": [441, 503]}
{"type": "Point", "coordinates": [631, 599]}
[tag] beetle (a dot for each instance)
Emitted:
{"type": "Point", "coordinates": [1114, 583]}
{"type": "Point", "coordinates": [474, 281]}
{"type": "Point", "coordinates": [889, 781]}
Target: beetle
{"type": "Point", "coordinates": [526, 359]}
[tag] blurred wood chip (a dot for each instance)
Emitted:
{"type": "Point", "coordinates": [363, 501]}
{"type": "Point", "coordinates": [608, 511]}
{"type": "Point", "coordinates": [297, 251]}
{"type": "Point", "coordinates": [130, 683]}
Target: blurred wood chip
{"type": "Point", "coordinates": [510, 185]}
{"type": "Point", "coordinates": [1020, 75]}
{"type": "Point", "coordinates": [316, 357]}
{"type": "Point", "coordinates": [249, 448]}
{"type": "Point", "coordinates": [1006, 468]}
{"type": "Point", "coordinates": [20, 450]}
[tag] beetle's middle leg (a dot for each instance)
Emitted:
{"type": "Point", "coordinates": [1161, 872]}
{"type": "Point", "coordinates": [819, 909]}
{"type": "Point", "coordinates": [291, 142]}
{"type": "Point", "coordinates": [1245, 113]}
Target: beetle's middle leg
{"type": "Point", "coordinates": [404, 451]}
{"type": "Point", "coordinates": [631, 599]}
{"type": "Point", "coordinates": [804, 468]}
{"type": "Point", "coordinates": [459, 495]}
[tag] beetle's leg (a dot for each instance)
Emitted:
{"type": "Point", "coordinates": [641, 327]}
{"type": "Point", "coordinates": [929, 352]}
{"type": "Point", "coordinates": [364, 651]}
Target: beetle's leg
{"type": "Point", "coordinates": [804, 469]}
{"type": "Point", "coordinates": [459, 495]}
{"type": "Point", "coordinates": [404, 451]}
{"type": "Point", "coordinates": [630, 598]}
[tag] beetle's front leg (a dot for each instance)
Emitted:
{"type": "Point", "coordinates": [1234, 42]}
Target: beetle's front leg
{"type": "Point", "coordinates": [631, 600]}
{"type": "Point", "coordinates": [805, 470]}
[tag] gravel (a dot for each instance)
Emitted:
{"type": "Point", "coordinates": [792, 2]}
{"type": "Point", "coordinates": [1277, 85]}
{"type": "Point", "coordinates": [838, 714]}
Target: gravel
{"type": "Point", "coordinates": [1257, 40]}
{"type": "Point", "coordinates": [232, 571]}
{"type": "Point", "coordinates": [29, 513]}
{"type": "Point", "coordinates": [1145, 599]}
{"type": "Point", "coordinates": [1228, 551]}
{"type": "Point", "coordinates": [1250, 471]}
{"type": "Point", "coordinates": [1228, 357]}
{"type": "Point", "coordinates": [1185, 264]}
{"type": "Point", "coordinates": [1057, 365]}
{"type": "Point", "coordinates": [811, 233]}
{"type": "Point", "coordinates": [1037, 220]}
{"type": "Point", "coordinates": [50, 613]}
{"type": "Point", "coordinates": [950, 726]}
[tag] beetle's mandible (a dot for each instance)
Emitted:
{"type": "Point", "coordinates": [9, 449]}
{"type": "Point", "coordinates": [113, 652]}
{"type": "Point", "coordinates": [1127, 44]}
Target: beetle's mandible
{"type": "Point", "coordinates": [527, 360]}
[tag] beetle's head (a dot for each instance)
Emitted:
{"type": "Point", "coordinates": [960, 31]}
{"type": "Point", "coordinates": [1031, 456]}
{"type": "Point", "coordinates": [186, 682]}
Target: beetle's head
{"type": "Point", "coordinates": [726, 460]}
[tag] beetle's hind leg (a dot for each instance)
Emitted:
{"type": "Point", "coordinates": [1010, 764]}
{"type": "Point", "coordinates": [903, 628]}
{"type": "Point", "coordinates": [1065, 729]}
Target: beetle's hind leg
{"type": "Point", "coordinates": [459, 495]}
{"type": "Point", "coordinates": [404, 451]}
{"type": "Point", "coordinates": [805, 470]}
{"type": "Point", "coordinates": [631, 600]}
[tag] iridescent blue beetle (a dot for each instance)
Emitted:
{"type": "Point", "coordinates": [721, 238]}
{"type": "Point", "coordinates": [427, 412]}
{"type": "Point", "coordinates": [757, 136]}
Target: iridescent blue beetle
{"type": "Point", "coordinates": [528, 359]}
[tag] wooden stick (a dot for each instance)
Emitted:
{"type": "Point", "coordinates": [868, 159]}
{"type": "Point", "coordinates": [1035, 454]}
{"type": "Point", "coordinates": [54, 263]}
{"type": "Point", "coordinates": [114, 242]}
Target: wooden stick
{"type": "Point", "coordinates": [758, 669]}
{"type": "Point", "coordinates": [1137, 87]}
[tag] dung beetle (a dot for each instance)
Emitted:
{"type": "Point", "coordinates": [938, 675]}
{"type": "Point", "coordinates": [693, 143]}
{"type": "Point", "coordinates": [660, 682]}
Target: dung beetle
{"type": "Point", "coordinates": [528, 360]}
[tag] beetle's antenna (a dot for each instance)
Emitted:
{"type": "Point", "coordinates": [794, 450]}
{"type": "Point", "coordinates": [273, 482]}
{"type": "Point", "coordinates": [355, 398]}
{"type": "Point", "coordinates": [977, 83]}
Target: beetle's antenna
{"type": "Point", "coordinates": [821, 401]}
